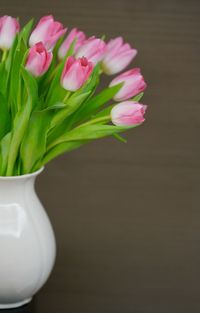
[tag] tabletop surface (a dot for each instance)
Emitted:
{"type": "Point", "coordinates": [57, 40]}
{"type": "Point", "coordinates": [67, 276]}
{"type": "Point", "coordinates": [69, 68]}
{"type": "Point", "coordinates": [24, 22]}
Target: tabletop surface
{"type": "Point", "coordinates": [127, 217]}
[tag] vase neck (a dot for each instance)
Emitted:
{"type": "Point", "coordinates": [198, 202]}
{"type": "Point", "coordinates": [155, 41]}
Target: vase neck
{"type": "Point", "coordinates": [12, 186]}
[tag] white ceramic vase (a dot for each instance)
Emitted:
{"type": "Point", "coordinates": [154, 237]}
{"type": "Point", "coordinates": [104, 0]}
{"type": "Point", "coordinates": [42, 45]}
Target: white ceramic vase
{"type": "Point", "coordinates": [27, 243]}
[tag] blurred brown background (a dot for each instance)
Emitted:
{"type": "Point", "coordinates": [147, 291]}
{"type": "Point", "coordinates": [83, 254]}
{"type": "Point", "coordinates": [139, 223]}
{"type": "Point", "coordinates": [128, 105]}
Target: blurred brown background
{"type": "Point", "coordinates": [127, 217]}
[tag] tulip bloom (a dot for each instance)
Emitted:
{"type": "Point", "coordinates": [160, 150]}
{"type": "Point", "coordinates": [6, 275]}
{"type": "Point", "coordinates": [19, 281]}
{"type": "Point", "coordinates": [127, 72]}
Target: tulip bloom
{"type": "Point", "coordinates": [74, 34]}
{"type": "Point", "coordinates": [118, 55]}
{"type": "Point", "coordinates": [93, 49]}
{"type": "Point", "coordinates": [128, 113]}
{"type": "Point", "coordinates": [133, 83]}
{"type": "Point", "coordinates": [47, 31]}
{"type": "Point", "coordinates": [39, 60]}
{"type": "Point", "coordinates": [75, 73]}
{"type": "Point", "coordinates": [9, 27]}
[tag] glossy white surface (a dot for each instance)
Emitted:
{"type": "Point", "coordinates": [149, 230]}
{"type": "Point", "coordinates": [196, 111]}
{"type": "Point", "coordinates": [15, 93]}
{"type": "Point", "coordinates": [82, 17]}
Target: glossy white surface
{"type": "Point", "coordinates": [27, 243]}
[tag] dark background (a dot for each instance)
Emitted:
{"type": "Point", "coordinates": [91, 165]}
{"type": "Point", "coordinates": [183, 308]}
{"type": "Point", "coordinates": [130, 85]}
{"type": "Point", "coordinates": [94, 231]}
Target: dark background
{"type": "Point", "coordinates": [127, 217]}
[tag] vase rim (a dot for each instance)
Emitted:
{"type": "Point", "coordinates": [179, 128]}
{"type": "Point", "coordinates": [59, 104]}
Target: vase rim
{"type": "Point", "coordinates": [29, 175]}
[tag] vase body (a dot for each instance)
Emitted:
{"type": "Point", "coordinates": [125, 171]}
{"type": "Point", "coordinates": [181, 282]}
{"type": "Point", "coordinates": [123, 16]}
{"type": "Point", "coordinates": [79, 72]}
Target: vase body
{"type": "Point", "coordinates": [27, 243]}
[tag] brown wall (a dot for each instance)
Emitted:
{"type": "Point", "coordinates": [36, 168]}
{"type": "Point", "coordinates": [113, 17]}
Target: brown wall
{"type": "Point", "coordinates": [127, 217]}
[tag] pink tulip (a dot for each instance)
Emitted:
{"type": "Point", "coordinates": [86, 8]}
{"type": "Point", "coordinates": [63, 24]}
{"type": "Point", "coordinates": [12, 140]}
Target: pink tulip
{"type": "Point", "coordinates": [39, 59]}
{"type": "Point", "coordinates": [128, 113]}
{"type": "Point", "coordinates": [133, 83]}
{"type": "Point", "coordinates": [93, 49]}
{"type": "Point", "coordinates": [9, 27]}
{"type": "Point", "coordinates": [74, 34]}
{"type": "Point", "coordinates": [75, 73]}
{"type": "Point", "coordinates": [118, 55]}
{"type": "Point", "coordinates": [47, 31]}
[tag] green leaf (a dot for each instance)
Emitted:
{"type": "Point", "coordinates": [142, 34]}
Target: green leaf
{"type": "Point", "coordinates": [94, 104]}
{"type": "Point", "coordinates": [120, 138]}
{"type": "Point", "coordinates": [19, 127]}
{"type": "Point", "coordinates": [21, 120]}
{"type": "Point", "coordinates": [89, 132]}
{"type": "Point", "coordinates": [81, 135]}
{"type": "Point", "coordinates": [5, 75]}
{"type": "Point", "coordinates": [59, 105]}
{"type": "Point", "coordinates": [3, 80]}
{"type": "Point", "coordinates": [4, 149]}
{"type": "Point", "coordinates": [9, 59]}
{"type": "Point", "coordinates": [62, 148]}
{"type": "Point", "coordinates": [56, 48]}
{"type": "Point", "coordinates": [5, 121]}
{"type": "Point", "coordinates": [71, 106]}
{"type": "Point", "coordinates": [33, 145]}
{"type": "Point", "coordinates": [61, 122]}
{"type": "Point", "coordinates": [58, 95]}
{"type": "Point", "coordinates": [15, 77]}
{"type": "Point", "coordinates": [31, 87]}
{"type": "Point", "coordinates": [104, 112]}
{"type": "Point", "coordinates": [64, 119]}
{"type": "Point", "coordinates": [25, 32]}
{"type": "Point", "coordinates": [138, 97]}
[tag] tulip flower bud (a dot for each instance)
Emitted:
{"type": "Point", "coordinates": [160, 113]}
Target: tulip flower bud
{"type": "Point", "coordinates": [74, 34]}
{"type": "Point", "coordinates": [39, 60]}
{"type": "Point", "coordinates": [117, 56]}
{"type": "Point", "coordinates": [75, 73]}
{"type": "Point", "coordinates": [93, 49]}
{"type": "Point", "coordinates": [133, 83]}
{"type": "Point", "coordinates": [128, 113]}
{"type": "Point", "coordinates": [47, 31]}
{"type": "Point", "coordinates": [9, 27]}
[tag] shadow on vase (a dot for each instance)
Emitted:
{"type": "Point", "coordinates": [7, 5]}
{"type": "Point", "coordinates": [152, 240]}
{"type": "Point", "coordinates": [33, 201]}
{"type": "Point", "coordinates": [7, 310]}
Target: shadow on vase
{"type": "Point", "coordinates": [28, 308]}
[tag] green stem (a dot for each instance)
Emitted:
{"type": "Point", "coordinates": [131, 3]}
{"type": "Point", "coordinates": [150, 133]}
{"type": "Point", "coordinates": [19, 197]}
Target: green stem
{"type": "Point", "coordinates": [50, 78]}
{"type": "Point", "coordinates": [66, 96]}
{"type": "Point", "coordinates": [96, 120]}
{"type": "Point", "coordinates": [4, 55]}
{"type": "Point", "coordinates": [91, 122]}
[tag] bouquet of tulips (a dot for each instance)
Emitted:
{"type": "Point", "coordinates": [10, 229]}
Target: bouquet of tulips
{"type": "Point", "coordinates": [49, 102]}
